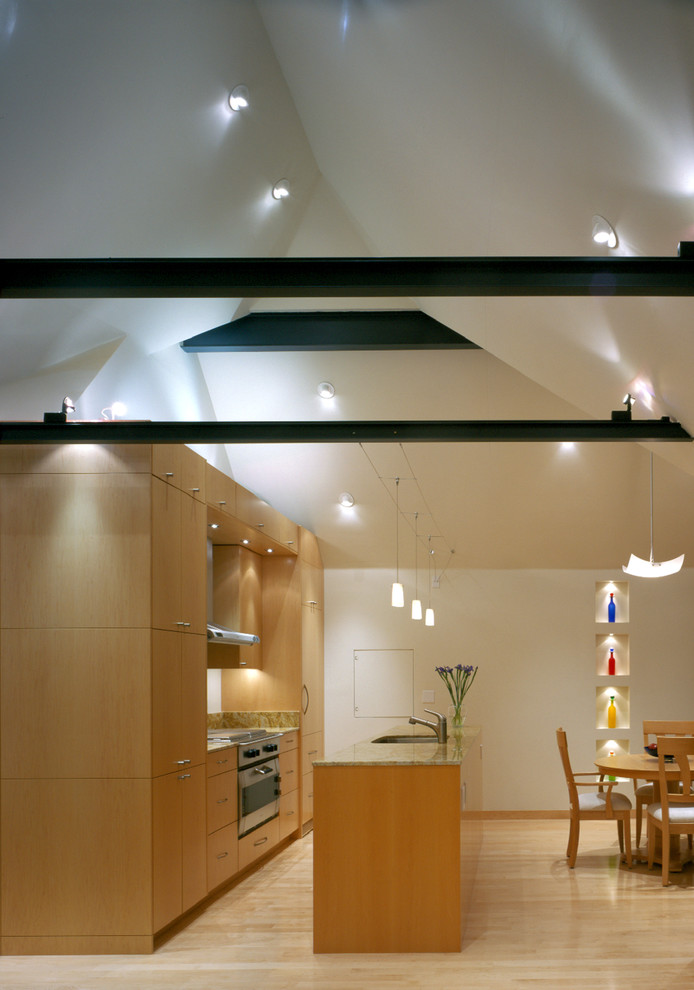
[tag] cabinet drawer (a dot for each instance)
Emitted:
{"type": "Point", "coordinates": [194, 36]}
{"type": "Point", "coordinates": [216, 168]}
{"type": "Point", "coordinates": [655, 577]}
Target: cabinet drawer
{"type": "Point", "coordinates": [289, 813]}
{"type": "Point", "coordinates": [221, 760]}
{"type": "Point", "coordinates": [222, 800]}
{"type": "Point", "coordinates": [289, 771]}
{"type": "Point", "coordinates": [311, 749]}
{"type": "Point", "coordinates": [222, 855]}
{"type": "Point", "coordinates": [259, 842]}
{"type": "Point", "coordinates": [289, 741]}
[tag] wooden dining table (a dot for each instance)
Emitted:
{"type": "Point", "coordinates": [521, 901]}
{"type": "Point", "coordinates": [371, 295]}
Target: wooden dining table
{"type": "Point", "coordinates": [640, 766]}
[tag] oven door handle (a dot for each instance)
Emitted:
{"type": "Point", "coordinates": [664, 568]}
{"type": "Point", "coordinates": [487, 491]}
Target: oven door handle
{"type": "Point", "coordinates": [263, 770]}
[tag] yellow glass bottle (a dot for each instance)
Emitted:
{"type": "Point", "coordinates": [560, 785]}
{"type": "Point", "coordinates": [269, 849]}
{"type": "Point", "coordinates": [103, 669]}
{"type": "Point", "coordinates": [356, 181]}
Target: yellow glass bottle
{"type": "Point", "coordinates": [611, 714]}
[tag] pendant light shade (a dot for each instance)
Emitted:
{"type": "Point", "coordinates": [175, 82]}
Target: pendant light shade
{"type": "Point", "coordinates": [429, 617]}
{"type": "Point", "coordinates": [397, 596]}
{"type": "Point", "coordinates": [652, 568]}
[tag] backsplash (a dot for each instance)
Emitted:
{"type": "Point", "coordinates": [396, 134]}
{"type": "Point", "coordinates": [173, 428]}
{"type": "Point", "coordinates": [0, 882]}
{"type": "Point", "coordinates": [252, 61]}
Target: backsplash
{"type": "Point", "coordinates": [253, 720]}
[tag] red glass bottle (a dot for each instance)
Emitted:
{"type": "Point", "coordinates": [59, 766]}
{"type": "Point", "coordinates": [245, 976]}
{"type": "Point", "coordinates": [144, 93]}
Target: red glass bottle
{"type": "Point", "coordinates": [611, 663]}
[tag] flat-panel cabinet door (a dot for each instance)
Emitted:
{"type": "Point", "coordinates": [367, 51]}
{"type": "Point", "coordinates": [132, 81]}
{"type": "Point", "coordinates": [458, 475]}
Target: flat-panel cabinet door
{"type": "Point", "coordinates": [179, 703]}
{"type": "Point", "coordinates": [166, 556]}
{"type": "Point", "coordinates": [166, 850]}
{"type": "Point", "coordinates": [311, 669]}
{"type": "Point", "coordinates": [193, 705]}
{"type": "Point", "coordinates": [193, 574]}
{"type": "Point", "coordinates": [193, 836]}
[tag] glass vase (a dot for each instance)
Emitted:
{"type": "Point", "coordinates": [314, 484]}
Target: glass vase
{"type": "Point", "coordinates": [456, 716]}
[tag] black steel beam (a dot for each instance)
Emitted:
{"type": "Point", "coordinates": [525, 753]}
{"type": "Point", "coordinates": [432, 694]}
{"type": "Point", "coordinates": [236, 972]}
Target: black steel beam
{"type": "Point", "coordinates": [318, 330]}
{"type": "Point", "coordinates": [366, 431]}
{"type": "Point", "coordinates": [326, 277]}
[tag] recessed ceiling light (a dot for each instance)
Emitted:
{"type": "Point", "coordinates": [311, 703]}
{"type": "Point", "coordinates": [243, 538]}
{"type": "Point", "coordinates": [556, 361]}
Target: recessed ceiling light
{"type": "Point", "coordinates": [603, 232]}
{"type": "Point", "coordinates": [213, 525]}
{"type": "Point", "coordinates": [280, 190]}
{"type": "Point", "coordinates": [326, 390]}
{"type": "Point", "coordinates": [346, 499]}
{"type": "Point", "coordinates": [238, 98]}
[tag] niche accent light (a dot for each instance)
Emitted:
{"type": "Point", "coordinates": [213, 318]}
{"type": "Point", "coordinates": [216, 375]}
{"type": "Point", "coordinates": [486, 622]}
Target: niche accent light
{"type": "Point", "coordinates": [326, 390]}
{"type": "Point", "coordinates": [346, 499]}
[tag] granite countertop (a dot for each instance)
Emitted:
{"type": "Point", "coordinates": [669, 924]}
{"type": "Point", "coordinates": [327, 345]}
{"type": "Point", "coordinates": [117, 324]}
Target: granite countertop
{"type": "Point", "coordinates": [369, 753]}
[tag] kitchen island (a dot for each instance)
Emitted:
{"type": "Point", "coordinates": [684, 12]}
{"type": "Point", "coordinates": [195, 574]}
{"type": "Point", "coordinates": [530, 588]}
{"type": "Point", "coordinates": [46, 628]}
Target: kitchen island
{"type": "Point", "coordinates": [396, 842]}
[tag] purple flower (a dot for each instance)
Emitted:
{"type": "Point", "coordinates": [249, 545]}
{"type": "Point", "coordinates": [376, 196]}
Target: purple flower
{"type": "Point", "coordinates": [458, 680]}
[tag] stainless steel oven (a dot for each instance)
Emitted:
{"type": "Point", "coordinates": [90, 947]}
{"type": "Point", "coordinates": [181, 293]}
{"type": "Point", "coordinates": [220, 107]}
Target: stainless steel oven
{"type": "Point", "coordinates": [258, 774]}
{"type": "Point", "coordinates": [259, 782]}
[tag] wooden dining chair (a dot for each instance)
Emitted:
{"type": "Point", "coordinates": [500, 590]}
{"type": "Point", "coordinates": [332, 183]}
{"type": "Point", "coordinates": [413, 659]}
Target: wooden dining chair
{"type": "Point", "coordinates": [673, 814]}
{"type": "Point", "coordinates": [598, 804]}
{"type": "Point", "coordinates": [644, 794]}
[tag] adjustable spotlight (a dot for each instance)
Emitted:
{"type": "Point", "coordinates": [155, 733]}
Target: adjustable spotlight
{"type": "Point", "coordinates": [603, 232]}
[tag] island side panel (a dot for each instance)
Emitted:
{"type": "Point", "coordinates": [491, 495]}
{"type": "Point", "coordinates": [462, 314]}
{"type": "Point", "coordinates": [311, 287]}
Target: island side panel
{"type": "Point", "coordinates": [387, 859]}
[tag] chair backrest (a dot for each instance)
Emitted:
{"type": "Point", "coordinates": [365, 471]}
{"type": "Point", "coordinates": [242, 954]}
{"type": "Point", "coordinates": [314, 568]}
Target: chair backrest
{"type": "Point", "coordinates": [666, 727]}
{"type": "Point", "coordinates": [680, 748]}
{"type": "Point", "coordinates": [566, 763]}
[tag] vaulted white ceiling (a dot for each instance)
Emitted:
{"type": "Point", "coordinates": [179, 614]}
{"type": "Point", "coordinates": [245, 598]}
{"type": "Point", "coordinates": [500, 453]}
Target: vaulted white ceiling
{"type": "Point", "coordinates": [404, 127]}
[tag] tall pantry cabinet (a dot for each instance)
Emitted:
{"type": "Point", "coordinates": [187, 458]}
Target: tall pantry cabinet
{"type": "Point", "coordinates": [102, 695]}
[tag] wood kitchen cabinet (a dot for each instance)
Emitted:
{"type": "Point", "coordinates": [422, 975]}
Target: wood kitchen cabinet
{"type": "Point", "coordinates": [107, 837]}
{"type": "Point", "coordinates": [222, 817]}
{"type": "Point", "coordinates": [94, 831]}
{"type": "Point", "coordinates": [237, 603]}
{"type": "Point", "coordinates": [179, 560]}
{"type": "Point", "coordinates": [312, 707]}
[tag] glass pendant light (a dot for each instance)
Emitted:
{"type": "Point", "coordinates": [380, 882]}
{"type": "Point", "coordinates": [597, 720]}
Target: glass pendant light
{"type": "Point", "coordinates": [652, 568]}
{"type": "Point", "coordinates": [429, 614]}
{"type": "Point", "coordinates": [416, 603]}
{"type": "Point", "coordinates": [397, 596]}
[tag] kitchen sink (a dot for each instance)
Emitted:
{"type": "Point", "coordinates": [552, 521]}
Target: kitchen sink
{"type": "Point", "coordinates": [406, 739]}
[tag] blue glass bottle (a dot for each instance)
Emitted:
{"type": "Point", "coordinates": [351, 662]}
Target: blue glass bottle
{"type": "Point", "coordinates": [611, 608]}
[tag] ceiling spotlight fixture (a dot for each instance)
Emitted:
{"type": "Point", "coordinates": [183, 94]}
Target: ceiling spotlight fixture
{"type": "Point", "coordinates": [603, 232]}
{"type": "Point", "coordinates": [280, 190]}
{"type": "Point", "coordinates": [115, 409]}
{"type": "Point", "coordinates": [326, 390]}
{"type": "Point", "coordinates": [397, 596]}
{"type": "Point", "coordinates": [213, 525]}
{"type": "Point", "coordinates": [346, 499]}
{"type": "Point", "coordinates": [651, 568]}
{"type": "Point", "coordinates": [238, 98]}
{"type": "Point", "coordinates": [628, 401]}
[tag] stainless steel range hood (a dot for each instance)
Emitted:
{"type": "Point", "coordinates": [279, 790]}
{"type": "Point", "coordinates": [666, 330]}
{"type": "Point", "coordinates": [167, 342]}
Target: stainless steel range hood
{"type": "Point", "coordinates": [220, 634]}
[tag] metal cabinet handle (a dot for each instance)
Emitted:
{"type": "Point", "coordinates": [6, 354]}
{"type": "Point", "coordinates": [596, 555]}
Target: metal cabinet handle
{"type": "Point", "coordinates": [222, 502]}
{"type": "Point", "coordinates": [312, 751]}
{"type": "Point", "coordinates": [186, 624]}
{"type": "Point", "coordinates": [194, 489]}
{"type": "Point", "coordinates": [169, 474]}
{"type": "Point", "coordinates": [184, 776]}
{"type": "Point", "coordinates": [260, 841]}
{"type": "Point", "coordinates": [181, 763]}
{"type": "Point", "coordinates": [222, 855]}
{"type": "Point", "coordinates": [220, 762]}
{"type": "Point", "coordinates": [222, 800]}
{"type": "Point", "coordinates": [304, 708]}
{"type": "Point", "coordinates": [290, 813]}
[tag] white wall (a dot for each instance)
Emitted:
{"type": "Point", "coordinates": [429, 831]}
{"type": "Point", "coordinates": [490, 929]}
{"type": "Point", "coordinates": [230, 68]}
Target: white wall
{"type": "Point", "coordinates": [532, 633]}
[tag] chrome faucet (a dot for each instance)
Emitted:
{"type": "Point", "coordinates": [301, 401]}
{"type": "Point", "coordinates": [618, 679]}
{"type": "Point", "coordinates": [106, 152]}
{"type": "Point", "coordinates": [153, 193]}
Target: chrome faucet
{"type": "Point", "coordinates": [440, 727]}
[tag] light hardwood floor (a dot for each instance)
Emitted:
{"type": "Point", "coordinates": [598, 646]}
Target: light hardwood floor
{"type": "Point", "coordinates": [535, 923]}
